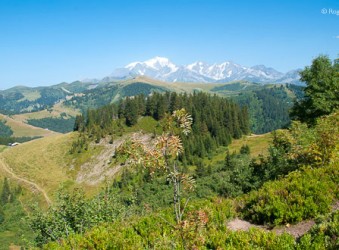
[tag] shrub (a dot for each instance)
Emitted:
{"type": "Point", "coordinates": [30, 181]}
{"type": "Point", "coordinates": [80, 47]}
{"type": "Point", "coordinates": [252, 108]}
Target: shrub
{"type": "Point", "coordinates": [301, 195]}
{"type": "Point", "coordinates": [324, 235]}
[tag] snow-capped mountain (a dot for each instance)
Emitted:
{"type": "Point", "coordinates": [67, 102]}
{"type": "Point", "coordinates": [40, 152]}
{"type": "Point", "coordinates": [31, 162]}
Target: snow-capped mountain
{"type": "Point", "coordinates": [161, 68]}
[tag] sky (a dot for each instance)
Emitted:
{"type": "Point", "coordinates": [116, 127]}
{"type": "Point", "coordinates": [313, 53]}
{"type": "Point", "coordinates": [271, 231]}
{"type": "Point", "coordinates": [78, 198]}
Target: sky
{"type": "Point", "coordinates": [45, 42]}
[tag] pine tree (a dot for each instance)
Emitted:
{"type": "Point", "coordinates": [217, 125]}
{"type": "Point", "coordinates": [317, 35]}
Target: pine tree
{"type": "Point", "coordinates": [79, 123]}
{"type": "Point", "coordinates": [228, 161]}
{"type": "Point", "coordinates": [200, 171]}
{"type": "Point", "coordinates": [131, 112]}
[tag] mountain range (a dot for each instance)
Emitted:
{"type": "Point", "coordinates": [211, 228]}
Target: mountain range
{"type": "Point", "coordinates": [163, 69]}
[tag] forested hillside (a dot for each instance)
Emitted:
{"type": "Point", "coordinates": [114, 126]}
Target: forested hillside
{"type": "Point", "coordinates": [216, 120]}
{"type": "Point", "coordinates": [269, 107]}
{"type": "Point", "coordinates": [60, 124]}
{"type": "Point", "coordinates": [16, 101]}
{"type": "Point", "coordinates": [21, 99]}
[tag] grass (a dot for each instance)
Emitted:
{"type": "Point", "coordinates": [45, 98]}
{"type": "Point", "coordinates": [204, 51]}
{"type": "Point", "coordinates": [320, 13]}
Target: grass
{"type": "Point", "coordinates": [6, 239]}
{"type": "Point", "coordinates": [258, 144]}
{"type": "Point", "coordinates": [146, 124]}
{"type": "Point", "coordinates": [48, 163]}
{"type": "Point", "coordinates": [32, 95]}
{"type": "Point", "coordinates": [188, 87]}
{"type": "Point", "coordinates": [176, 86]}
{"type": "Point", "coordinates": [56, 111]}
{"type": "Point", "coordinates": [21, 129]}
{"type": "Point", "coordinates": [43, 161]}
{"type": "Point", "coordinates": [2, 148]}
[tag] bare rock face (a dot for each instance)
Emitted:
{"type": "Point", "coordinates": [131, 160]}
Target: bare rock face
{"type": "Point", "coordinates": [99, 168]}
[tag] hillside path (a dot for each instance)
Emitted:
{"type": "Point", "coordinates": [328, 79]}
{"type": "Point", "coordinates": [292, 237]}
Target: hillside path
{"type": "Point", "coordinates": [33, 186]}
{"type": "Point", "coordinates": [296, 230]}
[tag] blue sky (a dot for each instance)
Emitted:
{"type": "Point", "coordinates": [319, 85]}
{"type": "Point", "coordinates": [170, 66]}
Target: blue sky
{"type": "Point", "coordinates": [45, 42]}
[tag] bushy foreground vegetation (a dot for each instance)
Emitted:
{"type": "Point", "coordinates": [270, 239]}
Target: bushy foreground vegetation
{"type": "Point", "coordinates": [76, 214]}
{"type": "Point", "coordinates": [13, 227]}
{"type": "Point", "coordinates": [154, 231]}
{"type": "Point", "coordinates": [303, 194]}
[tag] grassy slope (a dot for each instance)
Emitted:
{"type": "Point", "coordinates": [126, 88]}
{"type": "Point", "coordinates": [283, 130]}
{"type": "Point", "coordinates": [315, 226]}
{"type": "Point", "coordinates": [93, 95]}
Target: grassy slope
{"type": "Point", "coordinates": [21, 129]}
{"type": "Point", "coordinates": [42, 161]}
{"type": "Point", "coordinates": [176, 86]}
{"type": "Point", "coordinates": [205, 87]}
{"type": "Point", "coordinates": [2, 148]}
{"type": "Point", "coordinates": [57, 109]}
{"type": "Point", "coordinates": [47, 162]}
{"type": "Point", "coordinates": [258, 144]}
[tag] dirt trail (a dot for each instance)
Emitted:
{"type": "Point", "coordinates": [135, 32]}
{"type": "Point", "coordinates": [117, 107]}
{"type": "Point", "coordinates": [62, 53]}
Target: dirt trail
{"type": "Point", "coordinates": [296, 230]}
{"type": "Point", "coordinates": [33, 186]}
{"type": "Point", "coordinates": [242, 225]}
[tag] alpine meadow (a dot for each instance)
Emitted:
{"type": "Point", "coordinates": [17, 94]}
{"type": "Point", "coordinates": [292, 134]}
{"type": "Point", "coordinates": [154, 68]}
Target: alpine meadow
{"type": "Point", "coordinates": [161, 155]}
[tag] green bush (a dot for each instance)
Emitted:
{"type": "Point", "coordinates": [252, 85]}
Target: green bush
{"type": "Point", "coordinates": [324, 235]}
{"type": "Point", "coordinates": [301, 195]}
{"type": "Point", "coordinates": [73, 213]}
{"type": "Point", "coordinates": [156, 230]}
{"type": "Point", "coordinates": [253, 239]}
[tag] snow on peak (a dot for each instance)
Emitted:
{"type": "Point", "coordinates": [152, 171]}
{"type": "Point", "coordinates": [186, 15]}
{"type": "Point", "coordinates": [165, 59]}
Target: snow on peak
{"type": "Point", "coordinates": [163, 61]}
{"type": "Point", "coordinates": [132, 65]}
{"type": "Point", "coordinates": [162, 68]}
{"type": "Point", "coordinates": [159, 62]}
{"type": "Point", "coordinates": [155, 63]}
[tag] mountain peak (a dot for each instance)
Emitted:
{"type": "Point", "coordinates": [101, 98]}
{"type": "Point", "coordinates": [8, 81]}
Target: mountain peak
{"type": "Point", "coordinates": [158, 61]}
{"type": "Point", "coordinates": [153, 63]}
{"type": "Point", "coordinates": [161, 68]}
